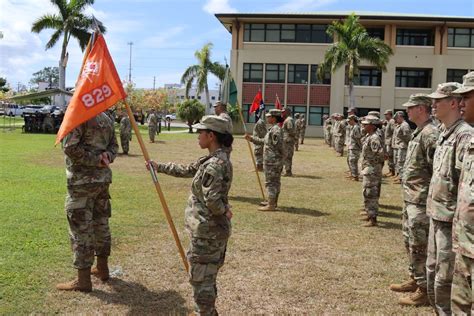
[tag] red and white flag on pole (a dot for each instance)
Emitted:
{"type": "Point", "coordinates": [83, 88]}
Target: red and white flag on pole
{"type": "Point", "coordinates": [277, 103]}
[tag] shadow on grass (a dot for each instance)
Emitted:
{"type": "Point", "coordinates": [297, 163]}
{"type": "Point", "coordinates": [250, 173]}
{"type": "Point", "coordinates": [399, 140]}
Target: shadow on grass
{"type": "Point", "coordinates": [129, 155]}
{"type": "Point", "coordinates": [389, 215]}
{"type": "Point", "coordinates": [391, 207]}
{"type": "Point", "coordinates": [301, 211]}
{"type": "Point", "coordinates": [306, 176]}
{"type": "Point", "coordinates": [389, 225]}
{"type": "Point", "coordinates": [246, 199]}
{"type": "Point", "coordinates": [140, 300]}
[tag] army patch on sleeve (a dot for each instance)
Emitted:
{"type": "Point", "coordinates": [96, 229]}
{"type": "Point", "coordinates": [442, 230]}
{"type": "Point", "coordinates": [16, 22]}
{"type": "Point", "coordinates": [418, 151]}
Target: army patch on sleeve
{"type": "Point", "coordinates": [207, 180]}
{"type": "Point", "coordinates": [374, 146]}
{"type": "Point", "coordinates": [275, 138]}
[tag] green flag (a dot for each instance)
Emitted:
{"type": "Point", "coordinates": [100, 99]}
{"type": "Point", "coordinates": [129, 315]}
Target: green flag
{"type": "Point", "coordinates": [229, 89]}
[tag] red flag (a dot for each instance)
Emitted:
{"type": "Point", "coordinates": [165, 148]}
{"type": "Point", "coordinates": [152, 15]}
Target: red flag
{"type": "Point", "coordinates": [256, 101]}
{"type": "Point", "coordinates": [99, 87]}
{"type": "Point", "coordinates": [277, 103]}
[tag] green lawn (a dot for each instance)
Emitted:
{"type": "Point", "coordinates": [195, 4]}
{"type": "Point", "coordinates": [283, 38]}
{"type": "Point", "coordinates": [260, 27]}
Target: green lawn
{"type": "Point", "coordinates": [310, 257]}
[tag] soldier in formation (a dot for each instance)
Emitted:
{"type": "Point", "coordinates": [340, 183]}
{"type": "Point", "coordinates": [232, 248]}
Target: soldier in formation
{"type": "Point", "coordinates": [327, 124]}
{"type": "Point", "coordinates": [259, 131]}
{"type": "Point", "coordinates": [339, 134]}
{"type": "Point", "coordinates": [220, 109]}
{"type": "Point", "coordinates": [208, 213]}
{"type": "Point", "coordinates": [388, 133]}
{"type": "Point", "coordinates": [354, 147]}
{"type": "Point", "coordinates": [125, 133]}
{"type": "Point", "coordinates": [297, 131]}
{"type": "Point", "coordinates": [289, 139]}
{"type": "Point", "coordinates": [273, 153]}
{"type": "Point", "coordinates": [303, 128]}
{"type": "Point", "coordinates": [401, 137]}
{"type": "Point", "coordinates": [89, 149]}
{"type": "Point", "coordinates": [152, 125]}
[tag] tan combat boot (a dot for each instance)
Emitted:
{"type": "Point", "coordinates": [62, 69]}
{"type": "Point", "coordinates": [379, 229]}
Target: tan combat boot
{"type": "Point", "coordinates": [371, 222]}
{"type": "Point", "coordinates": [271, 206]}
{"type": "Point", "coordinates": [264, 203]}
{"type": "Point", "coordinates": [407, 286]}
{"type": "Point", "coordinates": [83, 282]}
{"type": "Point", "coordinates": [363, 213]}
{"type": "Point", "coordinates": [417, 298]}
{"type": "Point", "coordinates": [101, 270]}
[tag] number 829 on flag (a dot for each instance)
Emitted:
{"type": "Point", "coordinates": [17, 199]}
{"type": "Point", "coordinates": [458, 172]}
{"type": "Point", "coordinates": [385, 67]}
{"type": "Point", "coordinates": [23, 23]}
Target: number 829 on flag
{"type": "Point", "coordinates": [96, 96]}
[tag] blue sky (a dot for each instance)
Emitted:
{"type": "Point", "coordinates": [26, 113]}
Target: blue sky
{"type": "Point", "coordinates": [165, 33]}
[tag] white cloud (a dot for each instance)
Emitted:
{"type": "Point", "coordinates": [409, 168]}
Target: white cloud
{"type": "Point", "coordinates": [218, 6]}
{"type": "Point", "coordinates": [303, 5]}
{"type": "Point", "coordinates": [165, 39]}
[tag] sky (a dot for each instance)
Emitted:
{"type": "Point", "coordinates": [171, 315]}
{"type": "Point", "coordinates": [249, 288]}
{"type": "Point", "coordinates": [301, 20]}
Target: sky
{"type": "Point", "coordinates": [165, 33]}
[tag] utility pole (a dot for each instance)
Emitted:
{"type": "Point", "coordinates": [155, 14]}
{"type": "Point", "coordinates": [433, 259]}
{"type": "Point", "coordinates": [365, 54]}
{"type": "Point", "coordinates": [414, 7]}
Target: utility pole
{"type": "Point", "coordinates": [154, 81]}
{"type": "Point", "coordinates": [130, 63]}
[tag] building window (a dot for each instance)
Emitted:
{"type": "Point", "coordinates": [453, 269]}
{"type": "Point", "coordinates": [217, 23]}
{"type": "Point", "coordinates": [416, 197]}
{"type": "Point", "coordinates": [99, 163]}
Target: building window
{"type": "Point", "coordinates": [368, 76]}
{"type": "Point", "coordinates": [199, 97]}
{"type": "Point", "coordinates": [319, 35]}
{"type": "Point", "coordinates": [413, 78]}
{"type": "Point", "coordinates": [192, 97]}
{"type": "Point", "coordinates": [455, 75]}
{"type": "Point", "coordinates": [253, 72]}
{"type": "Point", "coordinates": [213, 98]}
{"type": "Point", "coordinates": [316, 115]}
{"type": "Point", "coordinates": [298, 74]}
{"type": "Point", "coordinates": [275, 73]}
{"type": "Point", "coordinates": [460, 37]}
{"type": "Point", "coordinates": [254, 32]}
{"type": "Point", "coordinates": [245, 112]}
{"type": "Point", "coordinates": [297, 109]}
{"type": "Point", "coordinates": [303, 33]}
{"type": "Point", "coordinates": [377, 32]}
{"type": "Point", "coordinates": [299, 33]}
{"type": "Point", "coordinates": [417, 37]}
{"type": "Point", "coordinates": [316, 80]}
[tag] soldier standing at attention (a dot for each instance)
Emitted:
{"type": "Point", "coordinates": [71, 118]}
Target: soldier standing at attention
{"type": "Point", "coordinates": [289, 138]}
{"type": "Point", "coordinates": [389, 128]}
{"type": "Point", "coordinates": [442, 195]}
{"type": "Point", "coordinates": [89, 149]}
{"type": "Point", "coordinates": [354, 147]}
{"type": "Point", "coordinates": [125, 133]}
{"type": "Point", "coordinates": [327, 129]}
{"type": "Point", "coordinates": [417, 174]}
{"type": "Point", "coordinates": [462, 298]}
{"type": "Point", "coordinates": [208, 214]}
{"type": "Point", "coordinates": [401, 136]}
{"type": "Point", "coordinates": [220, 109]}
{"type": "Point", "coordinates": [339, 134]}
{"type": "Point", "coordinates": [303, 128]}
{"type": "Point", "coordinates": [152, 125]}
{"type": "Point", "coordinates": [372, 163]}
{"type": "Point", "coordinates": [333, 130]}
{"type": "Point", "coordinates": [273, 153]}
{"type": "Point", "coordinates": [259, 131]}
{"type": "Point", "coordinates": [297, 130]}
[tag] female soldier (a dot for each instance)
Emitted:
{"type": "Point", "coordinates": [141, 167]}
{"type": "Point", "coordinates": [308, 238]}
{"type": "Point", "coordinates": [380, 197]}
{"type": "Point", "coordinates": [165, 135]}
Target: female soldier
{"type": "Point", "coordinates": [272, 158]}
{"type": "Point", "coordinates": [207, 215]}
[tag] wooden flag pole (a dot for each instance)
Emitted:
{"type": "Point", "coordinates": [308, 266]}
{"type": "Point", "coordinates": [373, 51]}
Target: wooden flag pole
{"type": "Point", "coordinates": [157, 187]}
{"type": "Point", "coordinates": [251, 152]}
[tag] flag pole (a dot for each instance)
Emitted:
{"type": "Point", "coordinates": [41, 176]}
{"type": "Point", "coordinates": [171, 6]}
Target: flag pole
{"type": "Point", "coordinates": [157, 187]}
{"type": "Point", "coordinates": [251, 151]}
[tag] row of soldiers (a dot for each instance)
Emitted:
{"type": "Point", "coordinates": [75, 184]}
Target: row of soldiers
{"type": "Point", "coordinates": [434, 164]}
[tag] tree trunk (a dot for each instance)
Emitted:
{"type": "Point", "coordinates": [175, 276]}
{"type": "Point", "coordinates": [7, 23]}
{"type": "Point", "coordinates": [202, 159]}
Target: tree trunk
{"type": "Point", "coordinates": [208, 100]}
{"type": "Point", "coordinates": [62, 72]}
{"type": "Point", "coordinates": [190, 124]}
{"type": "Point", "coordinates": [351, 95]}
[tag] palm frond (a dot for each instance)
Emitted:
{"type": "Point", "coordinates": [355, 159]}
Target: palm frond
{"type": "Point", "coordinates": [47, 21]}
{"type": "Point", "coordinates": [62, 7]}
{"type": "Point", "coordinates": [217, 70]}
{"type": "Point", "coordinates": [189, 84]}
{"type": "Point", "coordinates": [82, 37]}
{"type": "Point", "coordinates": [54, 39]}
{"type": "Point", "coordinates": [190, 72]}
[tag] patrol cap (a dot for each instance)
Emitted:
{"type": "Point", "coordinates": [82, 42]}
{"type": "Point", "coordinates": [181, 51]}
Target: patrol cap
{"type": "Point", "coordinates": [467, 84]}
{"type": "Point", "coordinates": [418, 99]}
{"type": "Point", "coordinates": [352, 117]}
{"type": "Point", "coordinates": [351, 110]}
{"type": "Point", "coordinates": [400, 113]}
{"type": "Point", "coordinates": [445, 90]}
{"type": "Point", "coordinates": [371, 119]}
{"type": "Point", "coordinates": [274, 112]}
{"type": "Point", "coordinates": [302, 115]}
{"type": "Point", "coordinates": [388, 112]}
{"type": "Point", "coordinates": [214, 123]}
{"type": "Point", "coordinates": [287, 109]}
{"type": "Point", "coordinates": [374, 113]}
{"type": "Point", "coordinates": [297, 115]}
{"type": "Point", "coordinates": [219, 102]}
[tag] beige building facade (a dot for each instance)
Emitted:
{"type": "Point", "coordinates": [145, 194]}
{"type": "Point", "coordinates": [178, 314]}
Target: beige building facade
{"type": "Point", "coordinates": [279, 54]}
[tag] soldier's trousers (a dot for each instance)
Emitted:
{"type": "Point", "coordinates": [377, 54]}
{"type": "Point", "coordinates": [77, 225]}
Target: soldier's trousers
{"type": "Point", "coordinates": [297, 137]}
{"type": "Point", "coordinates": [339, 144]}
{"type": "Point", "coordinates": [415, 227]}
{"type": "Point", "coordinates": [124, 142]}
{"type": "Point", "coordinates": [353, 162]}
{"type": "Point", "coordinates": [371, 183]}
{"type": "Point", "coordinates": [395, 157]}
{"type": "Point", "coordinates": [205, 257]}
{"type": "Point", "coordinates": [439, 266]}
{"type": "Point", "coordinates": [272, 180]}
{"type": "Point", "coordinates": [391, 162]}
{"type": "Point", "coordinates": [289, 150]}
{"type": "Point", "coordinates": [401, 156]}
{"type": "Point", "coordinates": [462, 291]}
{"type": "Point", "coordinates": [88, 211]}
{"type": "Point", "coordinates": [303, 131]}
{"type": "Point", "coordinates": [258, 151]}
{"type": "Point", "coordinates": [327, 137]}
{"type": "Point", "coordinates": [152, 133]}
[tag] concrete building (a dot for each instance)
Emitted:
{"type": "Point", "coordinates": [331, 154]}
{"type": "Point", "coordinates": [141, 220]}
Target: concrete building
{"type": "Point", "coordinates": [280, 53]}
{"type": "Point", "coordinates": [180, 95]}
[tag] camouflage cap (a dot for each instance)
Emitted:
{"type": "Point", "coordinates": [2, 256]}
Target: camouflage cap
{"type": "Point", "coordinates": [374, 113]}
{"type": "Point", "coordinates": [274, 112]}
{"type": "Point", "coordinates": [297, 115]}
{"type": "Point", "coordinates": [219, 102]}
{"type": "Point", "coordinates": [418, 99]}
{"type": "Point", "coordinates": [351, 110]}
{"type": "Point", "coordinates": [400, 113]}
{"type": "Point", "coordinates": [371, 119]}
{"type": "Point", "coordinates": [353, 117]}
{"type": "Point", "coordinates": [444, 90]}
{"type": "Point", "coordinates": [388, 112]}
{"type": "Point", "coordinates": [214, 123]}
{"type": "Point", "coordinates": [467, 84]}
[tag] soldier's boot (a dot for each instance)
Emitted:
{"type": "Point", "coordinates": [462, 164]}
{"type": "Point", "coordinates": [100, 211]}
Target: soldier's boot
{"type": "Point", "coordinates": [397, 180]}
{"type": "Point", "coordinates": [270, 207]}
{"type": "Point", "coordinates": [364, 218]}
{"type": "Point", "coordinates": [264, 203]}
{"type": "Point", "coordinates": [83, 282]}
{"type": "Point", "coordinates": [417, 298]}
{"type": "Point", "coordinates": [372, 222]}
{"type": "Point", "coordinates": [101, 270]}
{"type": "Point", "coordinates": [407, 286]}
{"type": "Point", "coordinates": [363, 213]}
{"type": "Point", "coordinates": [354, 178]}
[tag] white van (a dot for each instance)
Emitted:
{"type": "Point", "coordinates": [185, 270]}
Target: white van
{"type": "Point", "coordinates": [13, 109]}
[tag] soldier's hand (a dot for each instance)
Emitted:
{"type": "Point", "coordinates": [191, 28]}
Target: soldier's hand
{"type": "Point", "coordinates": [248, 137]}
{"type": "Point", "coordinates": [152, 163]}
{"type": "Point", "coordinates": [104, 160]}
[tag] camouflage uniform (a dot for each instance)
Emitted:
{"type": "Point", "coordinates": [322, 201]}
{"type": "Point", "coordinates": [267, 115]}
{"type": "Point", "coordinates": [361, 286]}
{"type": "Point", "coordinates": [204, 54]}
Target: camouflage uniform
{"type": "Point", "coordinates": [289, 134]}
{"type": "Point", "coordinates": [259, 131]}
{"type": "Point", "coordinates": [441, 205]}
{"type": "Point", "coordinates": [88, 200]}
{"type": "Point", "coordinates": [227, 117]}
{"type": "Point", "coordinates": [327, 131]}
{"type": "Point", "coordinates": [372, 163]}
{"type": "Point", "coordinates": [273, 153]}
{"type": "Point", "coordinates": [401, 138]}
{"type": "Point", "coordinates": [354, 146]}
{"type": "Point", "coordinates": [303, 128]}
{"type": "Point", "coordinates": [206, 222]}
{"type": "Point", "coordinates": [339, 135]}
{"type": "Point", "coordinates": [125, 133]}
{"type": "Point", "coordinates": [396, 126]}
{"type": "Point", "coordinates": [416, 178]}
{"type": "Point", "coordinates": [389, 129]}
{"type": "Point", "coordinates": [333, 131]}
{"type": "Point", "coordinates": [152, 126]}
{"type": "Point", "coordinates": [297, 131]}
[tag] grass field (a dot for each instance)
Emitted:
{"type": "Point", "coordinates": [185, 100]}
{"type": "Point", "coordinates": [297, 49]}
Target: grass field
{"type": "Point", "coordinates": [311, 257]}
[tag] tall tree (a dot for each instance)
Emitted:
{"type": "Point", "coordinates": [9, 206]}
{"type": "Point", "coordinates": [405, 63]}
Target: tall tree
{"type": "Point", "coordinates": [353, 45]}
{"type": "Point", "coordinates": [47, 74]}
{"type": "Point", "coordinates": [70, 21]}
{"type": "Point", "coordinates": [3, 85]}
{"type": "Point", "coordinates": [201, 70]}
{"type": "Point", "coordinates": [191, 111]}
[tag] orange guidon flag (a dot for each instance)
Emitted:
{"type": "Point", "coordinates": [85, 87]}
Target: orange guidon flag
{"type": "Point", "coordinates": [99, 87]}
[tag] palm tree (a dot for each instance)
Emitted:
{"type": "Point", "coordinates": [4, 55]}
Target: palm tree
{"type": "Point", "coordinates": [353, 44]}
{"type": "Point", "coordinates": [71, 21]}
{"type": "Point", "coordinates": [200, 71]}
